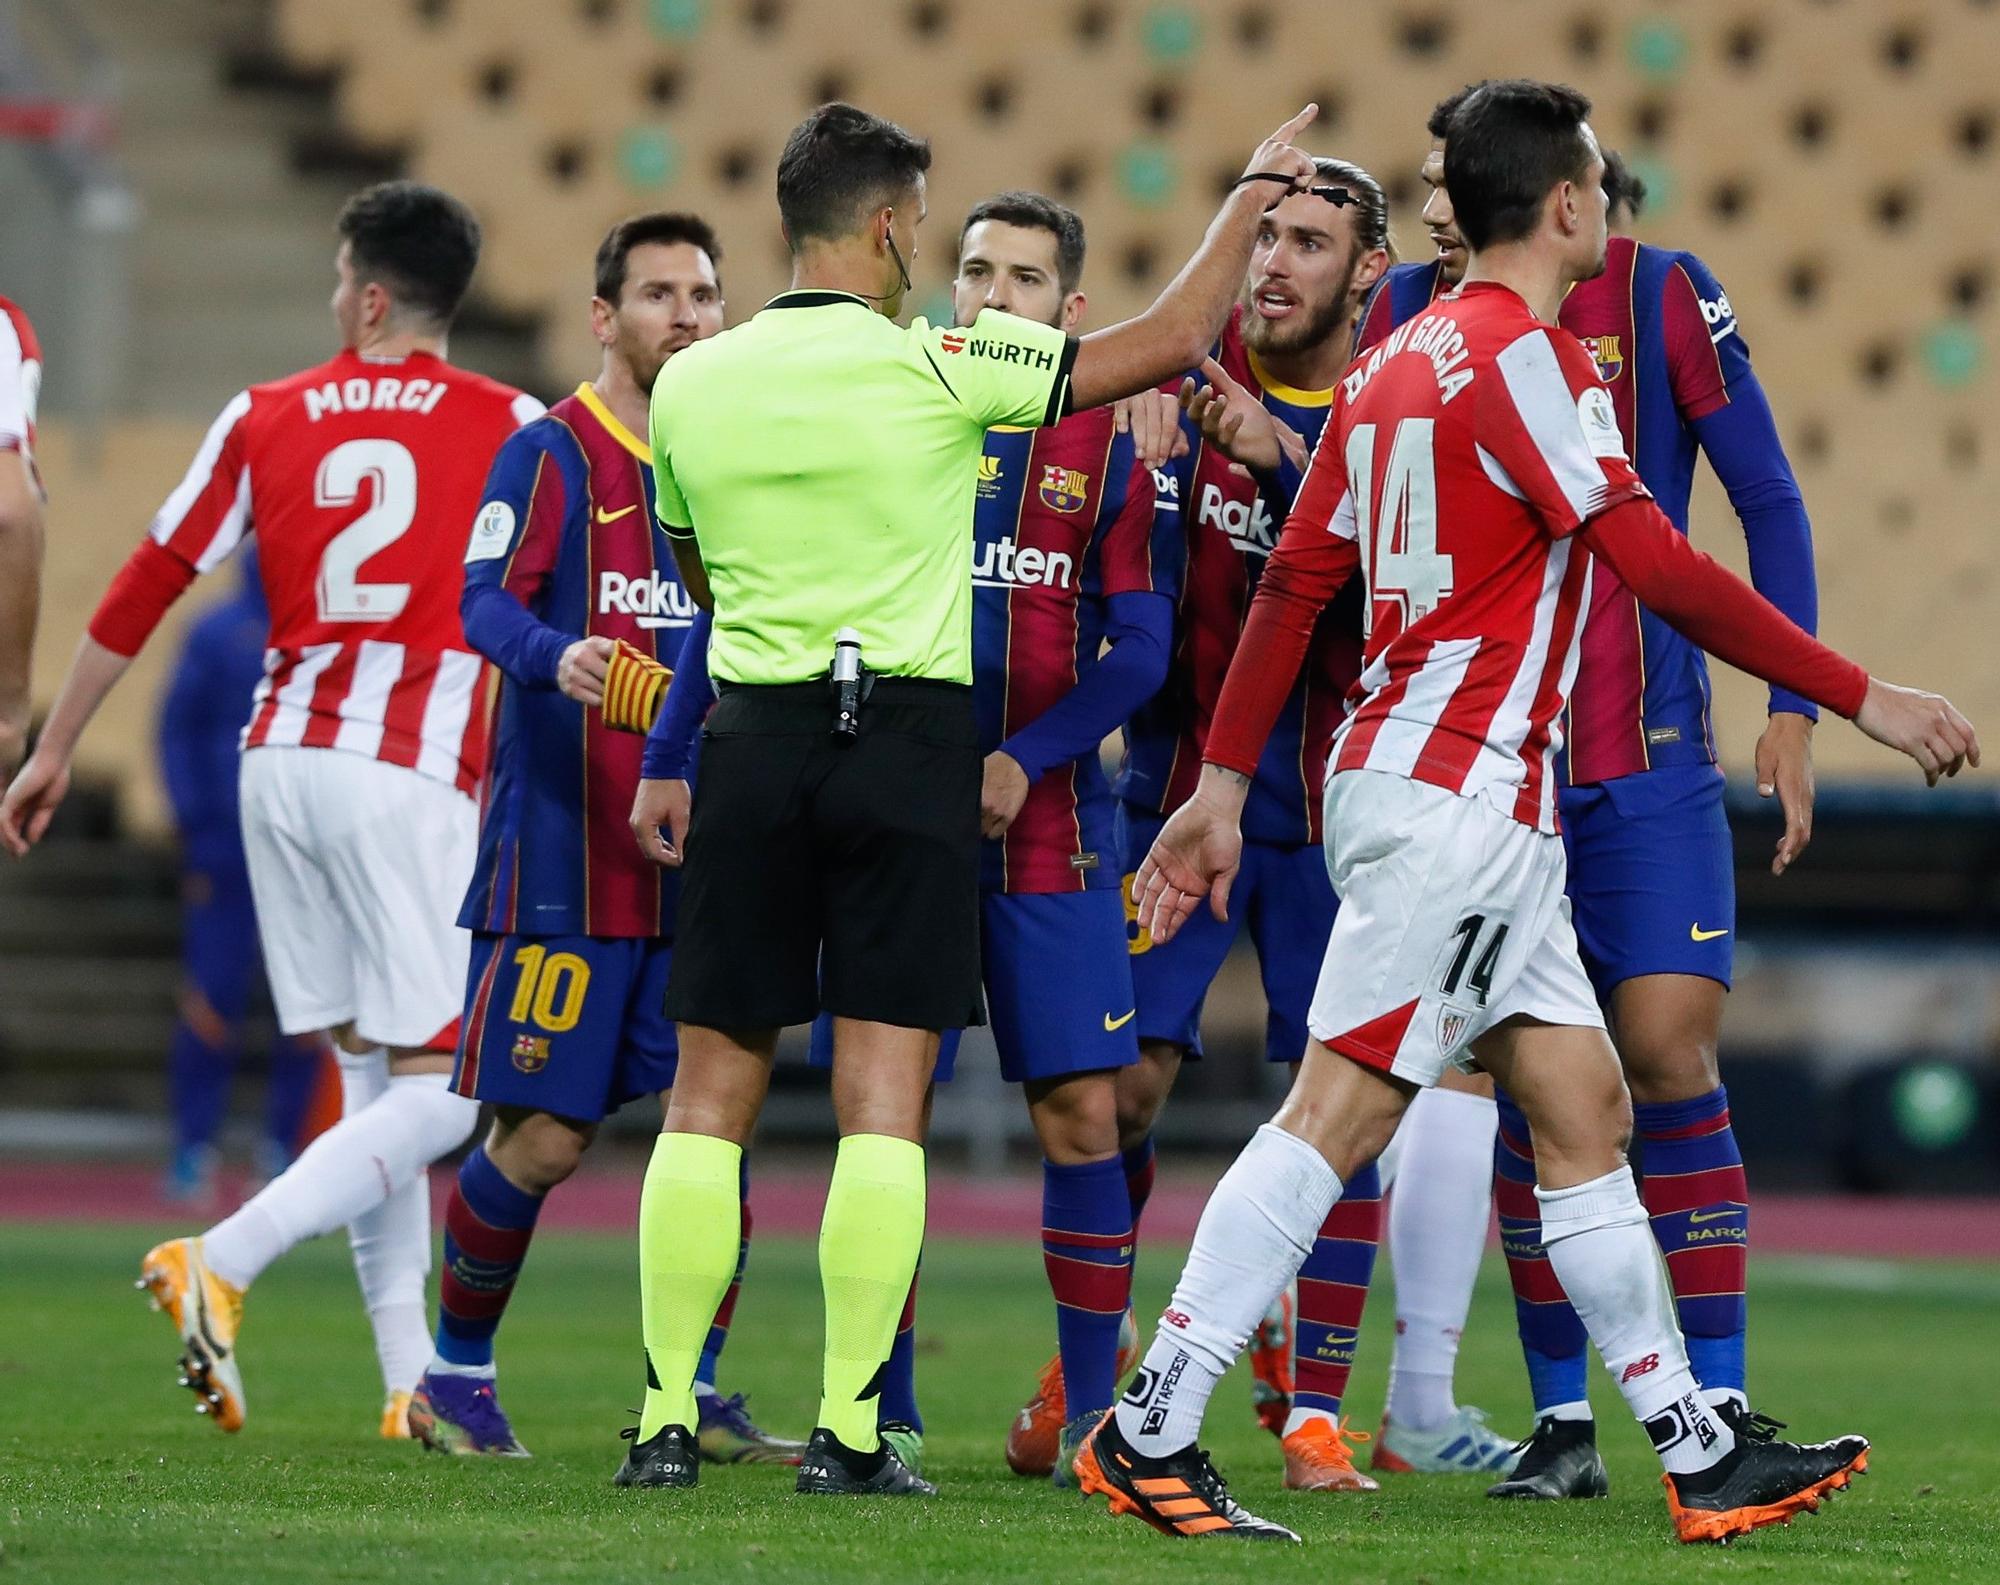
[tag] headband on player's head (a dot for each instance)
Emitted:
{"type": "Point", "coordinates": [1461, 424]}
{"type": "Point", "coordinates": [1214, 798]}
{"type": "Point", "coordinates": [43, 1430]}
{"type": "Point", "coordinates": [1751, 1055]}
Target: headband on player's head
{"type": "Point", "coordinates": [1339, 197]}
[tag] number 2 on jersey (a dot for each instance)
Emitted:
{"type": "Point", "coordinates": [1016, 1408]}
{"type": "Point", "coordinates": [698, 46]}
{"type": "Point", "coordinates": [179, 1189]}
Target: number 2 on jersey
{"type": "Point", "coordinates": [392, 472]}
{"type": "Point", "coordinates": [1406, 567]}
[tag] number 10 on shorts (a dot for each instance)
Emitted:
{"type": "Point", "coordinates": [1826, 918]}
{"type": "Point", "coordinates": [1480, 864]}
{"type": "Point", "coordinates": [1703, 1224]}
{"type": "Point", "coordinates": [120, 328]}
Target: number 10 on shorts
{"type": "Point", "coordinates": [550, 989]}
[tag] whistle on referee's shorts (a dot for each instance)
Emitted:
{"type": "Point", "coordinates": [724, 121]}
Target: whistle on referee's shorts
{"type": "Point", "coordinates": [850, 681]}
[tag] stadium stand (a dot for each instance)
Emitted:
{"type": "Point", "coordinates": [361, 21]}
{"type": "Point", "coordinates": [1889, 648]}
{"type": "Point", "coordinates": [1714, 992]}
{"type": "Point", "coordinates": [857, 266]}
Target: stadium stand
{"type": "Point", "coordinates": [1757, 126]}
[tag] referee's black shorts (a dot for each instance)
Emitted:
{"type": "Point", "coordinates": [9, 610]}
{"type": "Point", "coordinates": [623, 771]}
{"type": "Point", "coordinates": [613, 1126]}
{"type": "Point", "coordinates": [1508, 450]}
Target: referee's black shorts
{"type": "Point", "coordinates": [823, 874]}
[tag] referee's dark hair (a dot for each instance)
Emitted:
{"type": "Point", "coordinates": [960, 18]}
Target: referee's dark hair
{"type": "Point", "coordinates": [839, 165]}
{"type": "Point", "coordinates": [667, 226]}
{"type": "Point", "coordinates": [1506, 146]}
{"type": "Point", "coordinates": [1036, 212]}
{"type": "Point", "coordinates": [419, 242]}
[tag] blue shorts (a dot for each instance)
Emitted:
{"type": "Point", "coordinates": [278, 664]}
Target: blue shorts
{"type": "Point", "coordinates": [1652, 880]}
{"type": "Point", "coordinates": [566, 1024]}
{"type": "Point", "coordinates": [1058, 987]}
{"type": "Point", "coordinates": [1285, 897]}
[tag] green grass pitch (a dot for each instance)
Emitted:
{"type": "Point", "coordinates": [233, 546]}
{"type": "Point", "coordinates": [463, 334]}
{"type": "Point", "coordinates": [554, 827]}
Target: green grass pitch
{"type": "Point", "coordinates": [106, 1475]}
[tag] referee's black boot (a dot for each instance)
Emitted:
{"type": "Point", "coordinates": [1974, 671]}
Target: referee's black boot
{"type": "Point", "coordinates": [669, 1457]}
{"type": "Point", "coordinates": [833, 1469]}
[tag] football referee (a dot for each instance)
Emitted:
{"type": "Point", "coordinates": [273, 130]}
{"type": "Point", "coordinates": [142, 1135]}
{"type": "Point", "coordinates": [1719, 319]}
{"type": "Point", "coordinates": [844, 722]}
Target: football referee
{"type": "Point", "coordinates": [815, 470]}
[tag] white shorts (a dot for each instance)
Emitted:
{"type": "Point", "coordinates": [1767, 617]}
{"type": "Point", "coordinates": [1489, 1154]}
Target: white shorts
{"type": "Point", "coordinates": [359, 869]}
{"type": "Point", "coordinates": [1452, 917]}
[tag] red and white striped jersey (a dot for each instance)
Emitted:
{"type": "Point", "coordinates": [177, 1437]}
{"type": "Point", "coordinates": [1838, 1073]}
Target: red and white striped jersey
{"type": "Point", "coordinates": [1462, 455]}
{"type": "Point", "coordinates": [20, 384]}
{"type": "Point", "coordinates": [360, 479]}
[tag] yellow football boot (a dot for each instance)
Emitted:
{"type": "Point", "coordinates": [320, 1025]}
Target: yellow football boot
{"type": "Point", "coordinates": [207, 1312]}
{"type": "Point", "coordinates": [396, 1417]}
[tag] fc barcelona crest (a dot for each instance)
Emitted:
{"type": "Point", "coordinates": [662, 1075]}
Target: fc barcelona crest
{"type": "Point", "coordinates": [1064, 489]}
{"type": "Point", "coordinates": [1609, 355]}
{"type": "Point", "coordinates": [531, 1053]}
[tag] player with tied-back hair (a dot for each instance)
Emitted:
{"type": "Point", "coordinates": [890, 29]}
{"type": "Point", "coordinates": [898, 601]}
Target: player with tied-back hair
{"type": "Point", "coordinates": [1473, 472]}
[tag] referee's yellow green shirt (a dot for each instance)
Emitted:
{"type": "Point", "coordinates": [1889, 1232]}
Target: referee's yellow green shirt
{"type": "Point", "coordinates": [824, 458]}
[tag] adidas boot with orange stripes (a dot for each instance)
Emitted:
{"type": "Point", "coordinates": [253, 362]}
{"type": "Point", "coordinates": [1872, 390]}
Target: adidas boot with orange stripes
{"type": "Point", "coordinates": [1180, 1495]}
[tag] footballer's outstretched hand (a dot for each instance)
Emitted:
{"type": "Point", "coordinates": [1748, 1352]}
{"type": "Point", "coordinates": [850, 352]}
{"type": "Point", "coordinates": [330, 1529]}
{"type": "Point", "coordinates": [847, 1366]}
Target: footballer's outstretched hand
{"type": "Point", "coordinates": [1232, 420]}
{"type": "Point", "coordinates": [580, 672]}
{"type": "Point", "coordinates": [660, 821]}
{"type": "Point", "coordinates": [1275, 156]}
{"type": "Point", "coordinates": [1925, 726]}
{"type": "Point", "coordinates": [32, 801]}
{"type": "Point", "coordinates": [1153, 420]}
{"type": "Point", "coordinates": [1196, 855]}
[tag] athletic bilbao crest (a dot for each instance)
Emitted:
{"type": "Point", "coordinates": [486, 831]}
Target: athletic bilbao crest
{"type": "Point", "coordinates": [1610, 357]}
{"type": "Point", "coordinates": [1064, 489]}
{"type": "Point", "coordinates": [1451, 1029]}
{"type": "Point", "coordinates": [531, 1053]}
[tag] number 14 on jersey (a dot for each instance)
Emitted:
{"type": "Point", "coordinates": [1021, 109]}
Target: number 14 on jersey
{"type": "Point", "coordinates": [1405, 567]}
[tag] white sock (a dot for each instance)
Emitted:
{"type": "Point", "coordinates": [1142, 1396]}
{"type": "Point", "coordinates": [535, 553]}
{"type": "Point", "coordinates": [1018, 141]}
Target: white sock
{"type": "Point", "coordinates": [1255, 1233]}
{"type": "Point", "coordinates": [391, 1244]}
{"type": "Point", "coordinates": [444, 1367]}
{"type": "Point", "coordinates": [1604, 1254]}
{"type": "Point", "coordinates": [350, 1169]}
{"type": "Point", "coordinates": [1437, 1234]}
{"type": "Point", "coordinates": [250, 1238]}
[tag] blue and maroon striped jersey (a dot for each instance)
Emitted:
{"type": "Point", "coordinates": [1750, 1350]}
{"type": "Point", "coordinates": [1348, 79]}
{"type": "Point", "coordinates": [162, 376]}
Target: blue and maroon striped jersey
{"type": "Point", "coordinates": [1229, 531]}
{"type": "Point", "coordinates": [1668, 346]}
{"type": "Point", "coordinates": [1063, 521]}
{"type": "Point", "coordinates": [567, 528]}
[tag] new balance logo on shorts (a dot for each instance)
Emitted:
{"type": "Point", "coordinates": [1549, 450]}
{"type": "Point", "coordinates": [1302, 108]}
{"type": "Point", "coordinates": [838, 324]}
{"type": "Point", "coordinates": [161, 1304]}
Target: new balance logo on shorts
{"type": "Point", "coordinates": [1640, 1367]}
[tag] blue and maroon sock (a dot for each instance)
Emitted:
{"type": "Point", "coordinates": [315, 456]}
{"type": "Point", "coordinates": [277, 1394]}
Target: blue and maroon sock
{"type": "Point", "coordinates": [725, 1312]}
{"type": "Point", "coordinates": [1087, 1252]}
{"type": "Point", "coordinates": [1698, 1200]}
{"type": "Point", "coordinates": [487, 1226]}
{"type": "Point", "coordinates": [1553, 1339]}
{"type": "Point", "coordinates": [1138, 1167]}
{"type": "Point", "coordinates": [1333, 1291]}
{"type": "Point", "coordinates": [898, 1403]}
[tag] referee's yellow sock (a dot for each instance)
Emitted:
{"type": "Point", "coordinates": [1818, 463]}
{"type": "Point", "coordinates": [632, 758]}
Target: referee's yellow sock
{"type": "Point", "coordinates": [869, 1240]}
{"type": "Point", "coordinates": [690, 1221]}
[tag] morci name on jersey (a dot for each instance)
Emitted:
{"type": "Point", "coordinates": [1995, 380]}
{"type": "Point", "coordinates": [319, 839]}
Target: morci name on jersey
{"type": "Point", "coordinates": [383, 394]}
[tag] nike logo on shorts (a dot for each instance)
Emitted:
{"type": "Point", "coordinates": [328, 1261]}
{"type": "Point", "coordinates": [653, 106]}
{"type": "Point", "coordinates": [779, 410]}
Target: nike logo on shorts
{"type": "Point", "coordinates": [1696, 933]}
{"type": "Point", "coordinates": [1112, 1024]}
